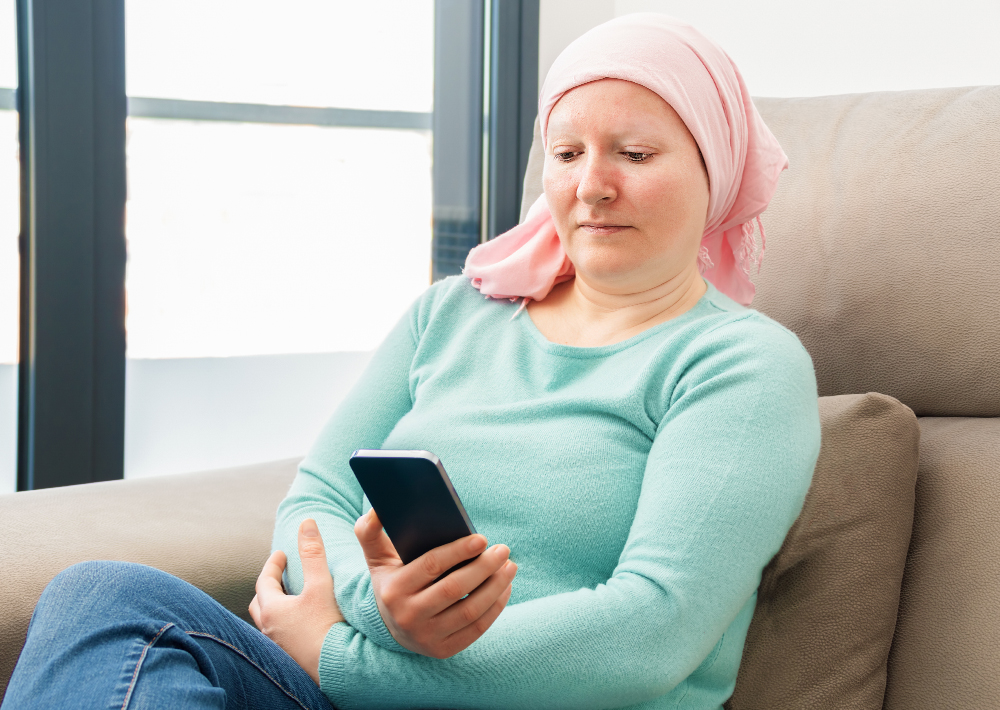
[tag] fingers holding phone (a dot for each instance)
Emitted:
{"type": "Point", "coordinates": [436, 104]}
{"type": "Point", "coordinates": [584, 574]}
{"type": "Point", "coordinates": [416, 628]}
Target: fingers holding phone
{"type": "Point", "coordinates": [437, 585]}
{"type": "Point", "coordinates": [429, 614]}
{"type": "Point", "coordinates": [468, 614]}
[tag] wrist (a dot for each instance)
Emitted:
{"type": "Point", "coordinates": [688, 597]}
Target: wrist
{"type": "Point", "coordinates": [333, 663]}
{"type": "Point", "coordinates": [312, 665]}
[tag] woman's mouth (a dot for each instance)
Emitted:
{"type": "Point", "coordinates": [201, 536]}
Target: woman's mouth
{"type": "Point", "coordinates": [596, 228]}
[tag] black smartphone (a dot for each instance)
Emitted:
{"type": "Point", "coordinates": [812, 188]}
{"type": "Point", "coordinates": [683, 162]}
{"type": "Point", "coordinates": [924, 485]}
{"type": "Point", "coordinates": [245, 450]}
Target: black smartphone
{"type": "Point", "coordinates": [413, 497]}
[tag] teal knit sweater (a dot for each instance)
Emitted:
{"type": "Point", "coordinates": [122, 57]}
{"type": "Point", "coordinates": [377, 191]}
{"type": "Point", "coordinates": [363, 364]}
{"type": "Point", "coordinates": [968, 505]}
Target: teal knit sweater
{"type": "Point", "coordinates": [641, 487]}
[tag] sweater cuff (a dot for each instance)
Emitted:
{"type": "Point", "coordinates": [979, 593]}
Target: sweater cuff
{"type": "Point", "coordinates": [333, 666]}
{"type": "Point", "coordinates": [373, 625]}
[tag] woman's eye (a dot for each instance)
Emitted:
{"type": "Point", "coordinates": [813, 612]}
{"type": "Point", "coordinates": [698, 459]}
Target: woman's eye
{"type": "Point", "coordinates": [565, 156]}
{"type": "Point", "coordinates": [634, 157]}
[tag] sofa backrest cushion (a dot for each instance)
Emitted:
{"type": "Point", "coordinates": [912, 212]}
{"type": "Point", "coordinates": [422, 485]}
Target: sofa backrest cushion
{"type": "Point", "coordinates": [882, 243]}
{"type": "Point", "coordinates": [827, 602]}
{"type": "Point", "coordinates": [946, 653]}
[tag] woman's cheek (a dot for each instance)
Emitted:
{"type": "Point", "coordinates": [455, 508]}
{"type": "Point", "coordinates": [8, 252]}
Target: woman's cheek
{"type": "Point", "coordinates": [667, 201]}
{"type": "Point", "coordinates": [560, 193]}
{"type": "Point", "coordinates": [557, 182]}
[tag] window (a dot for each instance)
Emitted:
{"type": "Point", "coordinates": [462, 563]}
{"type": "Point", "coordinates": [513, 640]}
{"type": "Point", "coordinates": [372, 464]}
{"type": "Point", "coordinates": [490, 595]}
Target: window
{"type": "Point", "coordinates": [9, 265]}
{"type": "Point", "coordinates": [278, 218]}
{"type": "Point", "coordinates": [279, 214]}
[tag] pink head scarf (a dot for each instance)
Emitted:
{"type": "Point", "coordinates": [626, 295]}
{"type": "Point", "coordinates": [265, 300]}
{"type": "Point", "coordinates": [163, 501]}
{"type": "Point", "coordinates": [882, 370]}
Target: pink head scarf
{"type": "Point", "coordinates": [699, 80]}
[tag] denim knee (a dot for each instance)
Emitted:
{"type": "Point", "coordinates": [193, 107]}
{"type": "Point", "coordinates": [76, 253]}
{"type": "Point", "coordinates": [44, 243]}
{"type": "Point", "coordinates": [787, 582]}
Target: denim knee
{"type": "Point", "coordinates": [90, 587]}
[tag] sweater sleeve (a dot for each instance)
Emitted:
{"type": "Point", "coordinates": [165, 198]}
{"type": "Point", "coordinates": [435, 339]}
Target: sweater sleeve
{"type": "Point", "coordinates": [325, 488]}
{"type": "Point", "coordinates": [726, 476]}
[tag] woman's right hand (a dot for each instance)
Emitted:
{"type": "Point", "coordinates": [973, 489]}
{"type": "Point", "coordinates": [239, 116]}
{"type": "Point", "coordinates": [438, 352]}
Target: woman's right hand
{"type": "Point", "coordinates": [436, 618]}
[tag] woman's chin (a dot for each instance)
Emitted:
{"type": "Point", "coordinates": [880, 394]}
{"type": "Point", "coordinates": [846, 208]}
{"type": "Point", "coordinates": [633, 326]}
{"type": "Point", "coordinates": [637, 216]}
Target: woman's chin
{"type": "Point", "coordinates": [607, 261]}
{"type": "Point", "coordinates": [612, 277]}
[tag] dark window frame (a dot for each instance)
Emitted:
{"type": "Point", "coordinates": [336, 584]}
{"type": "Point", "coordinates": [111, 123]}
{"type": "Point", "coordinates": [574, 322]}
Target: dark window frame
{"type": "Point", "coordinates": [71, 375]}
{"type": "Point", "coordinates": [485, 101]}
{"type": "Point", "coordinates": [511, 111]}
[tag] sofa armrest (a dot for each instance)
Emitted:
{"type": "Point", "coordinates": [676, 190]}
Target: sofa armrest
{"type": "Point", "coordinates": [212, 529]}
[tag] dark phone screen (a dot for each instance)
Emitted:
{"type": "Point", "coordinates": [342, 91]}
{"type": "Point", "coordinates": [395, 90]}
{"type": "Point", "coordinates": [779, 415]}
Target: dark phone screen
{"type": "Point", "coordinates": [413, 498]}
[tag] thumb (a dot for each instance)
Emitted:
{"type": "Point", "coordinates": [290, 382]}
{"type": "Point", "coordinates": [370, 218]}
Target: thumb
{"type": "Point", "coordinates": [312, 553]}
{"type": "Point", "coordinates": [376, 545]}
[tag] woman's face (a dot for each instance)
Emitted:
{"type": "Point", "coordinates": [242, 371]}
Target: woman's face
{"type": "Point", "coordinates": [626, 186]}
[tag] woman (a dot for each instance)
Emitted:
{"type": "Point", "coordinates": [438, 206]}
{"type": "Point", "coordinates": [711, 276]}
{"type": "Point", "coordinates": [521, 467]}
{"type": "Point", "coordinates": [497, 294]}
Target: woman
{"type": "Point", "coordinates": [631, 434]}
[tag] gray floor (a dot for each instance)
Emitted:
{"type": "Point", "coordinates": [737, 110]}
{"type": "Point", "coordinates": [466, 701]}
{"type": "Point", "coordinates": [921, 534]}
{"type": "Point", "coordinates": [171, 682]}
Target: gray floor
{"type": "Point", "coordinates": [202, 413]}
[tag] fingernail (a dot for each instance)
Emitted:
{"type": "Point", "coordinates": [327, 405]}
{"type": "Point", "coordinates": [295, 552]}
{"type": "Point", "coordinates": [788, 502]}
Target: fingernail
{"type": "Point", "coordinates": [511, 568]}
{"type": "Point", "coordinates": [477, 543]}
{"type": "Point", "coordinates": [501, 551]}
{"type": "Point", "coordinates": [309, 528]}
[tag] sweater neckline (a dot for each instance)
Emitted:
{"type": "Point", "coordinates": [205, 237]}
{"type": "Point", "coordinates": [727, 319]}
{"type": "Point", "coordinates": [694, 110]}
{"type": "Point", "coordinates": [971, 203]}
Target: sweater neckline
{"type": "Point", "coordinates": [599, 351]}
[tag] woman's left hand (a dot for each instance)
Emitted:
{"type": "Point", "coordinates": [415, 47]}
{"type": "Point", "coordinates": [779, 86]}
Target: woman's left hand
{"type": "Point", "coordinates": [298, 623]}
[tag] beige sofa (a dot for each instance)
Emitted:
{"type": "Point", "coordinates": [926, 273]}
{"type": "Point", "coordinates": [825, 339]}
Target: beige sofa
{"type": "Point", "coordinates": [883, 255]}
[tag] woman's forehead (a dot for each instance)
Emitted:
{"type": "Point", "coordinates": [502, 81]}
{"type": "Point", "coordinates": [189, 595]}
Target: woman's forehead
{"type": "Point", "coordinates": [612, 105]}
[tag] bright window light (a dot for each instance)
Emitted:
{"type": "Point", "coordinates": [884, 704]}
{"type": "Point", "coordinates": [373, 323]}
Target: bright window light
{"type": "Point", "coordinates": [251, 238]}
{"type": "Point", "coordinates": [375, 54]}
{"type": "Point", "coordinates": [248, 239]}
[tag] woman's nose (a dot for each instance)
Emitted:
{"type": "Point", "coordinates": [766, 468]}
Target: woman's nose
{"type": "Point", "coordinates": [596, 182]}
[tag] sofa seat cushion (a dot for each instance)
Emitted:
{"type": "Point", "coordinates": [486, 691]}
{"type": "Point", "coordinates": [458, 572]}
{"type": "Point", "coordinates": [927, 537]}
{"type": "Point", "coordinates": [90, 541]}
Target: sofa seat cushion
{"type": "Point", "coordinates": [946, 653]}
{"type": "Point", "coordinates": [211, 529]}
{"type": "Point", "coordinates": [827, 603]}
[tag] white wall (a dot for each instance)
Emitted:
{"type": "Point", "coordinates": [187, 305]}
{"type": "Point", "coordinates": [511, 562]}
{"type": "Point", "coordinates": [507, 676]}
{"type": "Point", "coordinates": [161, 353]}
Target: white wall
{"type": "Point", "coordinates": [805, 48]}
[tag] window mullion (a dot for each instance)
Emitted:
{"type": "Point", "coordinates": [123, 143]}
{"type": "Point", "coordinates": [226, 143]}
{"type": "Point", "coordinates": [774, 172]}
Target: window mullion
{"type": "Point", "coordinates": [72, 352]}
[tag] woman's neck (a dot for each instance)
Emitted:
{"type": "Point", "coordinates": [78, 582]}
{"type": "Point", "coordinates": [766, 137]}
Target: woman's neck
{"type": "Point", "coordinates": [582, 314]}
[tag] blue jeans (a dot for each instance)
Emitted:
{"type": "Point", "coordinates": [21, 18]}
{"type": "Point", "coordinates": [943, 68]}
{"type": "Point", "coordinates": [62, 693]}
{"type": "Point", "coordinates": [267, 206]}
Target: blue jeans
{"type": "Point", "coordinates": [121, 635]}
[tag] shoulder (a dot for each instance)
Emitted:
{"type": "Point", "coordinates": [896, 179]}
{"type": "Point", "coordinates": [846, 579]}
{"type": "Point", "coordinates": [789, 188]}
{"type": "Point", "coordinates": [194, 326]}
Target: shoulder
{"type": "Point", "coordinates": [745, 354]}
{"type": "Point", "coordinates": [752, 335]}
{"type": "Point", "coordinates": [733, 333]}
{"type": "Point", "coordinates": [746, 369]}
{"type": "Point", "coordinates": [452, 300]}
